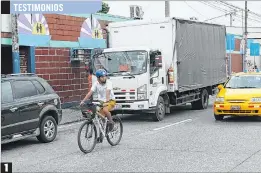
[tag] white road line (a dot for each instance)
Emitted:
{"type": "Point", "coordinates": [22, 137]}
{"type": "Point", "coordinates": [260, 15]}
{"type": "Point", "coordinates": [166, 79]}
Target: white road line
{"type": "Point", "coordinates": [180, 122]}
{"type": "Point", "coordinates": [69, 125]}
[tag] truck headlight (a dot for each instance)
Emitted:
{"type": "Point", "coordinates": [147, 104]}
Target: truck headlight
{"type": "Point", "coordinates": [256, 100]}
{"type": "Point", "coordinates": [142, 92]}
{"type": "Point", "coordinates": [220, 99]}
{"type": "Point", "coordinates": [142, 96]}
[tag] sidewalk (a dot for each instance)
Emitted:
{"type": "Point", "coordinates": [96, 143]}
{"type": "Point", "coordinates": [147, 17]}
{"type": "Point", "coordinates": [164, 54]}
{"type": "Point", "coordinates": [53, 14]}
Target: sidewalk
{"type": "Point", "coordinates": [71, 115]}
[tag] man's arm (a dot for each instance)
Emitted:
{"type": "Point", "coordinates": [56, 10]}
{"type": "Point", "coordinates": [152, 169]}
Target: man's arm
{"type": "Point", "coordinates": [89, 94]}
{"type": "Point", "coordinates": [108, 91]}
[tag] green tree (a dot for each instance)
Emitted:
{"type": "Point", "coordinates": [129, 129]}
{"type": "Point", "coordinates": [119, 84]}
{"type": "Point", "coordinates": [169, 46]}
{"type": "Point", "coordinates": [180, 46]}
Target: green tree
{"type": "Point", "coordinates": [105, 8]}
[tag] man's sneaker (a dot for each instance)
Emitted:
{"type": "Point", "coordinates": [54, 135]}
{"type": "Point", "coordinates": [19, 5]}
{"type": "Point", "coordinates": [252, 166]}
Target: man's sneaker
{"type": "Point", "coordinates": [110, 126]}
{"type": "Point", "coordinates": [99, 140]}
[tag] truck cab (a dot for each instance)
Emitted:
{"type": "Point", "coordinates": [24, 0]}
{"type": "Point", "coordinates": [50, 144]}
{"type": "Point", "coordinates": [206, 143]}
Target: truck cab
{"type": "Point", "coordinates": [137, 76]}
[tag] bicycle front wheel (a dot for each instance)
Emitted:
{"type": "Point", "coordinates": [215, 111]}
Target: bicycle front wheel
{"type": "Point", "coordinates": [114, 136]}
{"type": "Point", "coordinates": [87, 137]}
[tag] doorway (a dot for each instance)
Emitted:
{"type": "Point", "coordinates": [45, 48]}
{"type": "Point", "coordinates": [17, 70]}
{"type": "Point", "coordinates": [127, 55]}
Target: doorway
{"type": "Point", "coordinates": [6, 59]}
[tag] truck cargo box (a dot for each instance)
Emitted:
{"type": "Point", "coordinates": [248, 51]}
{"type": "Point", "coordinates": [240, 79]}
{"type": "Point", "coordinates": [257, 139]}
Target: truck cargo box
{"type": "Point", "coordinates": [200, 55]}
{"type": "Point", "coordinates": [196, 50]}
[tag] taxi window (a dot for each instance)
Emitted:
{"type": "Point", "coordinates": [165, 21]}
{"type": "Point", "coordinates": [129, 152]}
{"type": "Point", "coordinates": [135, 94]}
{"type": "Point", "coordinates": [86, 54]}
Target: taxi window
{"type": "Point", "coordinates": [246, 81]}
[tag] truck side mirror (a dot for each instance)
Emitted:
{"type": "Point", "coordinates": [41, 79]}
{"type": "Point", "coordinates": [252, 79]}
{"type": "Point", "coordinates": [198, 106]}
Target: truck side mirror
{"type": "Point", "coordinates": [151, 80]}
{"type": "Point", "coordinates": [158, 61]}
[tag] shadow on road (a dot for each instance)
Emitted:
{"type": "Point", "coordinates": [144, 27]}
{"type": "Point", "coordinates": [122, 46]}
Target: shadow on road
{"type": "Point", "coordinates": [242, 119]}
{"type": "Point", "coordinates": [176, 111]}
{"type": "Point", "coordinates": [19, 144]}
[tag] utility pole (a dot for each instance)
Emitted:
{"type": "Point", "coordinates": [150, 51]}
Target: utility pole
{"type": "Point", "coordinates": [15, 44]}
{"type": "Point", "coordinates": [167, 9]}
{"type": "Point", "coordinates": [245, 52]}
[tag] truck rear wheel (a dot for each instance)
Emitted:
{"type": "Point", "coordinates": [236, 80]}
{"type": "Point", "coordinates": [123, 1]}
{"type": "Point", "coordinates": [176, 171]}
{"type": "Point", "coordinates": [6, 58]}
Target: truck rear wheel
{"type": "Point", "coordinates": [202, 103]}
{"type": "Point", "coordinates": [160, 110]}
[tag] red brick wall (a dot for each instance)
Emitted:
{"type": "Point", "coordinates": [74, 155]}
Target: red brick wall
{"type": "Point", "coordinates": [237, 63]}
{"type": "Point", "coordinates": [63, 27]}
{"type": "Point", "coordinates": [69, 81]}
{"type": "Point", "coordinates": [237, 44]}
{"type": "Point", "coordinates": [67, 28]}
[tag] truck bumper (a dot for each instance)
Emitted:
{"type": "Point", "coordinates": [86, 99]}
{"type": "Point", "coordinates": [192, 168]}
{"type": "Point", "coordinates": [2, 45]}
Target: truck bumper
{"type": "Point", "coordinates": [138, 105]}
{"type": "Point", "coordinates": [132, 108]}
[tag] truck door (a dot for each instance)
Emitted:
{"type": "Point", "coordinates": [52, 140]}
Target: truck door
{"type": "Point", "coordinates": [155, 78]}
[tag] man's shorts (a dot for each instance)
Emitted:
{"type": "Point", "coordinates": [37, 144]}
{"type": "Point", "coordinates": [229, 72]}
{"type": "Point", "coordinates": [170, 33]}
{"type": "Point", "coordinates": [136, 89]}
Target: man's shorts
{"type": "Point", "coordinates": [111, 105]}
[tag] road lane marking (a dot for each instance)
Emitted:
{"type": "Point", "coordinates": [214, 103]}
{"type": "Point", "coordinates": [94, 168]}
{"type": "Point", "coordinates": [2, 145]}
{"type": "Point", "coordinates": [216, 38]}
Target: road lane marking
{"type": "Point", "coordinates": [177, 123]}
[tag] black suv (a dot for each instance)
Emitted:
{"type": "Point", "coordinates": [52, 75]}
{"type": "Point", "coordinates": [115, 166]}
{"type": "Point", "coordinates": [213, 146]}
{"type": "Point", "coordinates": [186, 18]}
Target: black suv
{"type": "Point", "coordinates": [30, 107]}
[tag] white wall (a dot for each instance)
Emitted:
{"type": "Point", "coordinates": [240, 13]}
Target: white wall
{"type": "Point", "coordinates": [6, 23]}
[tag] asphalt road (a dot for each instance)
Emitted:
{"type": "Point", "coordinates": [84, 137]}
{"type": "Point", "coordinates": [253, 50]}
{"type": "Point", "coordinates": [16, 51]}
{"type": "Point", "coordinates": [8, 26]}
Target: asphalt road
{"type": "Point", "coordinates": [186, 141]}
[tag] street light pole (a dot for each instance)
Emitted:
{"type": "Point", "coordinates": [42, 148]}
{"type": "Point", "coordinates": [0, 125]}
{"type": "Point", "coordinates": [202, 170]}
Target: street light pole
{"type": "Point", "coordinates": [245, 52]}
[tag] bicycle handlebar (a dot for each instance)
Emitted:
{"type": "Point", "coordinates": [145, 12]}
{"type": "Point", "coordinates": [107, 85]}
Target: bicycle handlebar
{"type": "Point", "coordinates": [89, 103]}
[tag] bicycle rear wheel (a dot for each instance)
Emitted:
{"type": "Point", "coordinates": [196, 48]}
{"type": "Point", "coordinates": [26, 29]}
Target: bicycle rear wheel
{"type": "Point", "coordinates": [89, 132]}
{"type": "Point", "coordinates": [118, 128]}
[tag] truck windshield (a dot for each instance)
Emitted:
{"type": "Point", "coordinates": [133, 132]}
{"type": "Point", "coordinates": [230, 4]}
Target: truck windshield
{"type": "Point", "coordinates": [247, 81]}
{"type": "Point", "coordinates": [116, 63]}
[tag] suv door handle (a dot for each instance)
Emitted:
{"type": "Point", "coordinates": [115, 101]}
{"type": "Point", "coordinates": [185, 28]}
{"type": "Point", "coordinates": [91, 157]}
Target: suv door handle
{"type": "Point", "coordinates": [13, 109]}
{"type": "Point", "coordinates": [40, 104]}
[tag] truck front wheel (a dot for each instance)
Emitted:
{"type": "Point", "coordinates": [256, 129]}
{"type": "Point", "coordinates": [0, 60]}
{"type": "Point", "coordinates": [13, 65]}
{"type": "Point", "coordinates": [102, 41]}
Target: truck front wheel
{"type": "Point", "coordinates": [202, 103]}
{"type": "Point", "coordinates": [160, 110]}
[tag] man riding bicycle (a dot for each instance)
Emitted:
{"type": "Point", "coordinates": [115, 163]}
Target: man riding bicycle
{"type": "Point", "coordinates": [103, 88]}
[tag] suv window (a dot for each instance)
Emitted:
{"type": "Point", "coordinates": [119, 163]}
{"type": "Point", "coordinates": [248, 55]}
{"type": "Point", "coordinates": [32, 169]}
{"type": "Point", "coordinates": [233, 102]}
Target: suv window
{"type": "Point", "coordinates": [24, 89]}
{"type": "Point", "coordinates": [39, 86]}
{"type": "Point", "coordinates": [7, 93]}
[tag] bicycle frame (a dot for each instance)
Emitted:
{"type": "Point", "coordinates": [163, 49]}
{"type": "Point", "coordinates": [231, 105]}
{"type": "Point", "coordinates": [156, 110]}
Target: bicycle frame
{"type": "Point", "coordinates": [99, 127]}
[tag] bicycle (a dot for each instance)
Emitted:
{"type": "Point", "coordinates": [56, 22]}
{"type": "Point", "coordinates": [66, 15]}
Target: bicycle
{"type": "Point", "coordinates": [97, 124]}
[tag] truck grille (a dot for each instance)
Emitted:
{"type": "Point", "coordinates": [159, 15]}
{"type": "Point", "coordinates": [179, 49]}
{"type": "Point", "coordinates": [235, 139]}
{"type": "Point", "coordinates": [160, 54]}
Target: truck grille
{"type": "Point", "coordinates": [125, 96]}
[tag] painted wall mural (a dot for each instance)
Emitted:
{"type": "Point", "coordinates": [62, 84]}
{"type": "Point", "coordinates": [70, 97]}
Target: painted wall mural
{"type": "Point", "coordinates": [33, 24]}
{"type": "Point", "coordinates": [91, 34]}
{"type": "Point", "coordinates": [33, 30]}
{"type": "Point", "coordinates": [91, 29]}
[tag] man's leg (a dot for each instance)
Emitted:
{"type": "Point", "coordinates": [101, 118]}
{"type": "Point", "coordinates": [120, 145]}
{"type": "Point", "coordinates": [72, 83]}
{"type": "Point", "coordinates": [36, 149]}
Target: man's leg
{"type": "Point", "coordinates": [105, 111]}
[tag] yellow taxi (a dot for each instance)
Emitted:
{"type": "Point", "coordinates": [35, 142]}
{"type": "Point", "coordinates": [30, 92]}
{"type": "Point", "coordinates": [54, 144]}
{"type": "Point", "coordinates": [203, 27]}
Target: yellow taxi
{"type": "Point", "coordinates": [239, 96]}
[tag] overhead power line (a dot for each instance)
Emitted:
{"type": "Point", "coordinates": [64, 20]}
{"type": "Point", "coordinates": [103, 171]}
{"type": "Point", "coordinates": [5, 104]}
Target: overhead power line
{"type": "Point", "coordinates": [233, 6]}
{"type": "Point", "coordinates": [194, 9]}
{"type": "Point", "coordinates": [217, 17]}
{"type": "Point", "coordinates": [213, 6]}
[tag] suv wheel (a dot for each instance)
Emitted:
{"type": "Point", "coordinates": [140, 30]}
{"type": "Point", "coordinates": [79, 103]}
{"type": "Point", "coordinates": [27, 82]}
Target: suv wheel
{"type": "Point", "coordinates": [48, 130]}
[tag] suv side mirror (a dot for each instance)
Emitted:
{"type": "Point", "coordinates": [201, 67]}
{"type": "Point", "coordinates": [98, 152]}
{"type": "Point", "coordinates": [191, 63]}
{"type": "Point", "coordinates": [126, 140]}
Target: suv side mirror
{"type": "Point", "coordinates": [158, 61]}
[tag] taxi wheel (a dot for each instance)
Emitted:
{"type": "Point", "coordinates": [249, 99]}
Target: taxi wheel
{"type": "Point", "coordinates": [219, 117]}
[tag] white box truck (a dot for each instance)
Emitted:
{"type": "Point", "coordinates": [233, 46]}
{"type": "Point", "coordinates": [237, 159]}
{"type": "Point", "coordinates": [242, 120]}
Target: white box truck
{"type": "Point", "coordinates": [156, 64]}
